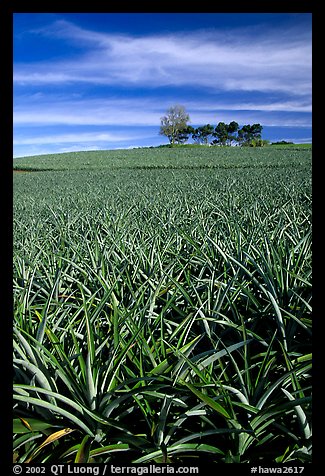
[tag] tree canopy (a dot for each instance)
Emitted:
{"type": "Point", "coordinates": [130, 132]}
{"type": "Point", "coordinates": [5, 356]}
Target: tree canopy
{"type": "Point", "coordinates": [174, 125]}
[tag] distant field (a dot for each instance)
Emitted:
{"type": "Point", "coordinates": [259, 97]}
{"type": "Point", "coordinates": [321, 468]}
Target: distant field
{"type": "Point", "coordinates": [184, 157]}
{"type": "Point", "coordinates": [162, 306]}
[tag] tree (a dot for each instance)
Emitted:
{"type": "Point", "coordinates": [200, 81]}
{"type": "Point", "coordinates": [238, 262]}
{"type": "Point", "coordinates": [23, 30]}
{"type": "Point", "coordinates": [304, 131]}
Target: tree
{"type": "Point", "coordinates": [221, 134]}
{"type": "Point", "coordinates": [247, 134]}
{"type": "Point", "coordinates": [202, 133]}
{"type": "Point", "coordinates": [174, 124]}
{"type": "Point", "coordinates": [184, 134]}
{"type": "Point", "coordinates": [232, 128]}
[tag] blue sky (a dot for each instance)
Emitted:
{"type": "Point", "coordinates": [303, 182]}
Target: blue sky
{"type": "Point", "coordinates": [89, 81]}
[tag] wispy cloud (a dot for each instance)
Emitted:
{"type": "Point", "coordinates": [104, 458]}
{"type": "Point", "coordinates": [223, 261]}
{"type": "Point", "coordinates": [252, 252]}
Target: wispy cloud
{"type": "Point", "coordinates": [262, 60]}
{"type": "Point", "coordinates": [137, 112]}
{"type": "Point", "coordinates": [147, 111]}
{"type": "Point", "coordinates": [80, 137]}
{"type": "Point", "coordinates": [57, 141]}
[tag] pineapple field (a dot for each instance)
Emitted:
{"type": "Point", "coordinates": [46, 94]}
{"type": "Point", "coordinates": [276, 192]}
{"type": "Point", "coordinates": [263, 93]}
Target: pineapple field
{"type": "Point", "coordinates": [162, 306]}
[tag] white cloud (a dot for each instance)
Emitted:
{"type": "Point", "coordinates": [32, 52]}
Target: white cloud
{"type": "Point", "coordinates": [132, 111]}
{"type": "Point", "coordinates": [147, 111]}
{"type": "Point", "coordinates": [74, 138]}
{"type": "Point", "coordinates": [269, 60]}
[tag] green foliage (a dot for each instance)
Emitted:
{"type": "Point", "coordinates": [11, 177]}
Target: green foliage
{"type": "Point", "coordinates": [163, 314]}
{"type": "Point", "coordinates": [172, 156]}
{"type": "Point", "coordinates": [282, 142]}
{"type": "Point", "coordinates": [221, 133]}
{"type": "Point", "coordinates": [201, 134]}
{"type": "Point", "coordinates": [255, 143]}
{"type": "Point", "coordinates": [250, 135]}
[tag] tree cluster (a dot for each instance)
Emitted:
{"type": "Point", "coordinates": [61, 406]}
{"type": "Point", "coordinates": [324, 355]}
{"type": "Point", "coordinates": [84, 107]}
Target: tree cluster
{"type": "Point", "coordinates": [174, 125]}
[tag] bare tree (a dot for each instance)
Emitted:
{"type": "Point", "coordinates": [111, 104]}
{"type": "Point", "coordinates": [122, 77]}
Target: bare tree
{"type": "Point", "coordinates": [174, 124]}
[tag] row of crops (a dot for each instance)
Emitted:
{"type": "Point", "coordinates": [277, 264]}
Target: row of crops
{"type": "Point", "coordinates": [171, 158]}
{"type": "Point", "coordinates": [163, 315]}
